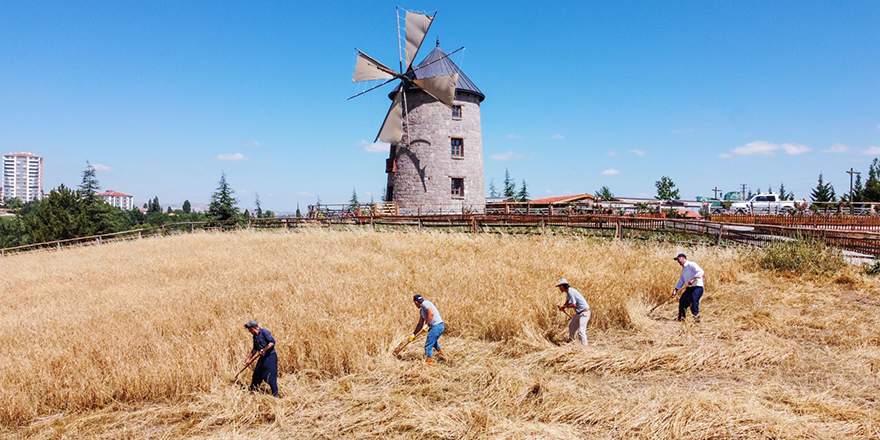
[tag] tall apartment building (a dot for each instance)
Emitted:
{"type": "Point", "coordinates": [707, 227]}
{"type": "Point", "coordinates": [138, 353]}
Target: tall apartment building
{"type": "Point", "coordinates": [22, 176]}
{"type": "Point", "coordinates": [118, 199]}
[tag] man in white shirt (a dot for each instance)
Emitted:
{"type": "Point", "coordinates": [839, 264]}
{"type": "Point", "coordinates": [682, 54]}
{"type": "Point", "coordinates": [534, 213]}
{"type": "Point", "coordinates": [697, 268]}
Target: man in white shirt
{"type": "Point", "coordinates": [574, 300]}
{"type": "Point", "coordinates": [692, 277]}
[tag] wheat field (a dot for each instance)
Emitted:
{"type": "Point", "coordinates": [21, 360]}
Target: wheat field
{"type": "Point", "coordinates": [142, 339]}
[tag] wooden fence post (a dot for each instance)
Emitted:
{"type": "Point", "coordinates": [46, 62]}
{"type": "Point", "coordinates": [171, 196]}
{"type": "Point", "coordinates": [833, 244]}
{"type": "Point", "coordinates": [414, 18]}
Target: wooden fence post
{"type": "Point", "coordinates": [617, 230]}
{"type": "Point", "coordinates": [718, 236]}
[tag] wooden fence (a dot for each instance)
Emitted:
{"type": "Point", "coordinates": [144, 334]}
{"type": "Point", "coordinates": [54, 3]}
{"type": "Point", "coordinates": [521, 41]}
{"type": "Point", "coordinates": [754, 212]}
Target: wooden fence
{"type": "Point", "coordinates": [836, 222]}
{"type": "Point", "coordinates": [627, 227]}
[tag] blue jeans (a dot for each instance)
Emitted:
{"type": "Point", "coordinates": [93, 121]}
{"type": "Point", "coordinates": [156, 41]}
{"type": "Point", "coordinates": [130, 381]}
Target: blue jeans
{"type": "Point", "coordinates": [431, 343]}
{"type": "Point", "coordinates": [690, 298]}
{"type": "Point", "coordinates": [266, 371]}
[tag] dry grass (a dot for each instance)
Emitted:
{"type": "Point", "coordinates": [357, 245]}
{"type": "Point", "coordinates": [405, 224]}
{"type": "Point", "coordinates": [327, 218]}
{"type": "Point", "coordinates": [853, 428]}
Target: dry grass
{"type": "Point", "coordinates": [141, 339]}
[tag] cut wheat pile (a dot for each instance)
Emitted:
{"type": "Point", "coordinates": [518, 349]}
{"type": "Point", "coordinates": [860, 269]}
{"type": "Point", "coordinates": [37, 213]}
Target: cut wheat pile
{"type": "Point", "coordinates": [140, 340]}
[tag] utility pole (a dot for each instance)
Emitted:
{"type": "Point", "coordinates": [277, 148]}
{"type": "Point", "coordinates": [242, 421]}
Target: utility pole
{"type": "Point", "coordinates": [743, 193]}
{"type": "Point", "coordinates": [716, 191]}
{"type": "Point", "coordinates": [851, 172]}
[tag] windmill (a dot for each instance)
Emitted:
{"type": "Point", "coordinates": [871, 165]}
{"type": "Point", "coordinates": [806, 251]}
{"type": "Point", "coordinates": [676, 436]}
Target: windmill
{"type": "Point", "coordinates": [441, 87]}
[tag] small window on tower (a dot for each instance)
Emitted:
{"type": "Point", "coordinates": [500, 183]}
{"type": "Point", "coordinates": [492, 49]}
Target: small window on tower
{"type": "Point", "coordinates": [457, 187]}
{"type": "Point", "coordinates": [456, 112]}
{"type": "Point", "coordinates": [457, 147]}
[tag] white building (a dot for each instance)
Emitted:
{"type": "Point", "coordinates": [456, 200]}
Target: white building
{"type": "Point", "coordinates": [22, 176]}
{"type": "Point", "coordinates": [118, 199]}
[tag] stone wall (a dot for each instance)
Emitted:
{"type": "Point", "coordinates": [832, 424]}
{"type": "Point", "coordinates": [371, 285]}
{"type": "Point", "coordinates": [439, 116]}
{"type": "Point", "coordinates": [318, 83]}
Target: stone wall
{"type": "Point", "coordinates": [424, 161]}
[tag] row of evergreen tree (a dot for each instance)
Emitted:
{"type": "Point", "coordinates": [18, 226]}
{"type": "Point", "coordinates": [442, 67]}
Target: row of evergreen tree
{"type": "Point", "coordinates": [70, 213]}
{"type": "Point", "coordinates": [509, 191]}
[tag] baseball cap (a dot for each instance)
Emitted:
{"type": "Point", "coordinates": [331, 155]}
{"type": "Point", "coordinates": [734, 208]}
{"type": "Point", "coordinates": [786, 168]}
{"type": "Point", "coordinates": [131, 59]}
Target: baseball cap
{"type": "Point", "coordinates": [418, 298]}
{"type": "Point", "coordinates": [680, 256]}
{"type": "Point", "coordinates": [251, 324]}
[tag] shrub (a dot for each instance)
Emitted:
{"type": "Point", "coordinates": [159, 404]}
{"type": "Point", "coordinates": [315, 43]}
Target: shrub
{"type": "Point", "coordinates": [802, 256]}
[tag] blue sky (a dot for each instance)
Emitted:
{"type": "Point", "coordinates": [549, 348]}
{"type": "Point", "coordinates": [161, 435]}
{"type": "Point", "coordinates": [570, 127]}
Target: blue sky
{"type": "Point", "coordinates": [162, 96]}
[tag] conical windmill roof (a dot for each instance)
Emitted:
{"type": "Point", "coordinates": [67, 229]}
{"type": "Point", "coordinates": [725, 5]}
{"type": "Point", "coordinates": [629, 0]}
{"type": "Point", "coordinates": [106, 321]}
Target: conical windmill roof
{"type": "Point", "coordinates": [444, 66]}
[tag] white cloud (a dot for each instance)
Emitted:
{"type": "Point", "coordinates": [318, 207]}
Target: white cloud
{"type": "Point", "coordinates": [872, 151]}
{"type": "Point", "coordinates": [610, 172]}
{"type": "Point", "coordinates": [374, 147]}
{"type": "Point", "coordinates": [231, 157]}
{"type": "Point", "coordinates": [305, 193]}
{"type": "Point", "coordinates": [637, 152]}
{"type": "Point", "coordinates": [795, 149]}
{"type": "Point", "coordinates": [99, 167]}
{"type": "Point", "coordinates": [725, 155]}
{"type": "Point", "coordinates": [764, 148]}
{"type": "Point", "coordinates": [611, 153]}
{"type": "Point", "coordinates": [255, 143]}
{"type": "Point", "coordinates": [837, 149]}
{"type": "Point", "coordinates": [514, 136]}
{"type": "Point", "coordinates": [557, 136]}
{"type": "Point", "coordinates": [507, 155]}
{"type": "Point", "coordinates": [549, 191]}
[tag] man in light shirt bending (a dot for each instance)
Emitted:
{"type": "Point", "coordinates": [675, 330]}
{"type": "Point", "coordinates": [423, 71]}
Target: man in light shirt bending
{"type": "Point", "coordinates": [692, 277]}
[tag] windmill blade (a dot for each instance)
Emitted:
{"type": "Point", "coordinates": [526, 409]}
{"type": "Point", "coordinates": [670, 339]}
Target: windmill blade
{"type": "Point", "coordinates": [392, 127]}
{"type": "Point", "coordinates": [440, 87]}
{"type": "Point", "coordinates": [368, 69]}
{"type": "Point", "coordinates": [417, 26]}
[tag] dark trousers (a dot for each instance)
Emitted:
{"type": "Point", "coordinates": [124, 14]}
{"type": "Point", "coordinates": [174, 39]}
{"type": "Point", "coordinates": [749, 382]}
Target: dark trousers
{"type": "Point", "coordinates": [690, 298]}
{"type": "Point", "coordinates": [266, 371]}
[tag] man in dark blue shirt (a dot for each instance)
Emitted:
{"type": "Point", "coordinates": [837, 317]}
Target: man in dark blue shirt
{"type": "Point", "coordinates": [267, 366]}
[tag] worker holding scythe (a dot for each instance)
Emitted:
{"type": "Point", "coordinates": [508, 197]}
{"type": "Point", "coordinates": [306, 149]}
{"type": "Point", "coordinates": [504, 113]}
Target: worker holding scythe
{"type": "Point", "coordinates": [574, 300]}
{"type": "Point", "coordinates": [692, 278]}
{"type": "Point", "coordinates": [429, 315]}
{"type": "Point", "coordinates": [266, 369]}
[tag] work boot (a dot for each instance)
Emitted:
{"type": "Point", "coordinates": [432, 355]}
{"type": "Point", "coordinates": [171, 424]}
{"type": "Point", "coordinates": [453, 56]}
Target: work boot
{"type": "Point", "coordinates": [440, 354]}
{"type": "Point", "coordinates": [429, 361]}
{"type": "Point", "coordinates": [697, 319]}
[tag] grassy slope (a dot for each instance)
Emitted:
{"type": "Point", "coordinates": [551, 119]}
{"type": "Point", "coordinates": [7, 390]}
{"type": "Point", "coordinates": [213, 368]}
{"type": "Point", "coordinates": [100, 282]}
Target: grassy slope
{"type": "Point", "coordinates": [140, 340]}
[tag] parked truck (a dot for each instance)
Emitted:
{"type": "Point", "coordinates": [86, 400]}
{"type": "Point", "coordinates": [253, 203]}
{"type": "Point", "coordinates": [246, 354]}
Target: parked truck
{"type": "Point", "coordinates": [721, 206]}
{"type": "Point", "coordinates": [764, 203]}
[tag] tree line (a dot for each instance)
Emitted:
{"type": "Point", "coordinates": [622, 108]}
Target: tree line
{"type": "Point", "coordinates": [70, 213]}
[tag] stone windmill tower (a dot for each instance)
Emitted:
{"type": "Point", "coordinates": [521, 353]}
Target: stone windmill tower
{"type": "Point", "coordinates": [436, 156]}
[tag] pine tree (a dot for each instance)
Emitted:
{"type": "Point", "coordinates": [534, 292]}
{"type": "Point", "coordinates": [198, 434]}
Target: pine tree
{"type": "Point", "coordinates": [353, 202]}
{"type": "Point", "coordinates": [259, 211]}
{"type": "Point", "coordinates": [666, 189]}
{"type": "Point", "coordinates": [493, 192]}
{"type": "Point", "coordinates": [247, 214]}
{"type": "Point", "coordinates": [89, 186]}
{"type": "Point", "coordinates": [823, 192]}
{"type": "Point", "coordinates": [298, 213]}
{"type": "Point", "coordinates": [187, 208]}
{"type": "Point", "coordinates": [95, 212]}
{"type": "Point", "coordinates": [509, 185]}
{"type": "Point", "coordinates": [168, 211]}
{"type": "Point", "coordinates": [784, 195]}
{"type": "Point", "coordinates": [871, 193]}
{"type": "Point", "coordinates": [222, 202]}
{"type": "Point", "coordinates": [858, 189]}
{"type": "Point", "coordinates": [523, 194]}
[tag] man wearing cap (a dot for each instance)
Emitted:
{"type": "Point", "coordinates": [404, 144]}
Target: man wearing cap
{"type": "Point", "coordinates": [574, 300]}
{"type": "Point", "coordinates": [692, 276]}
{"type": "Point", "coordinates": [428, 314]}
{"type": "Point", "coordinates": [266, 369]}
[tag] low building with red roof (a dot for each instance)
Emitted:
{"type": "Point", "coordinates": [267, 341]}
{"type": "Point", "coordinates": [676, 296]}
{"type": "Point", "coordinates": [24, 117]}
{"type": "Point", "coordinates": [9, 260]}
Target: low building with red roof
{"type": "Point", "coordinates": [118, 199]}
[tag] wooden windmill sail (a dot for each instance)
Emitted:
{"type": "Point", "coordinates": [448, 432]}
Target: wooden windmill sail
{"type": "Point", "coordinates": [441, 87]}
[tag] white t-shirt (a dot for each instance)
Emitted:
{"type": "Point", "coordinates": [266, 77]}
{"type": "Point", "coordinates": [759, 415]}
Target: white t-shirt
{"type": "Point", "coordinates": [688, 272]}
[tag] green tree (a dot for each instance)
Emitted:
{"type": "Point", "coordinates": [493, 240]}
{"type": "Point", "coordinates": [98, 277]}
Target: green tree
{"type": "Point", "coordinates": [784, 195]}
{"type": "Point", "coordinates": [604, 193]}
{"type": "Point", "coordinates": [858, 189]}
{"type": "Point", "coordinates": [247, 214]}
{"type": "Point", "coordinates": [95, 212]}
{"type": "Point", "coordinates": [871, 193]}
{"type": "Point", "coordinates": [187, 207]}
{"type": "Point", "coordinates": [222, 202]}
{"type": "Point", "coordinates": [259, 211]}
{"type": "Point", "coordinates": [268, 214]}
{"type": "Point", "coordinates": [493, 192]}
{"type": "Point", "coordinates": [59, 216]}
{"type": "Point", "coordinates": [13, 204]}
{"type": "Point", "coordinates": [13, 232]}
{"type": "Point", "coordinates": [169, 210]}
{"type": "Point", "coordinates": [823, 192]}
{"type": "Point", "coordinates": [523, 194]}
{"type": "Point", "coordinates": [298, 213]}
{"type": "Point", "coordinates": [509, 185]}
{"type": "Point", "coordinates": [666, 189]}
{"type": "Point", "coordinates": [154, 206]}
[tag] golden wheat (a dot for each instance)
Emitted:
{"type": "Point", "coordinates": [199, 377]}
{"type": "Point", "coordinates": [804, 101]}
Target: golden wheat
{"type": "Point", "coordinates": [141, 340]}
